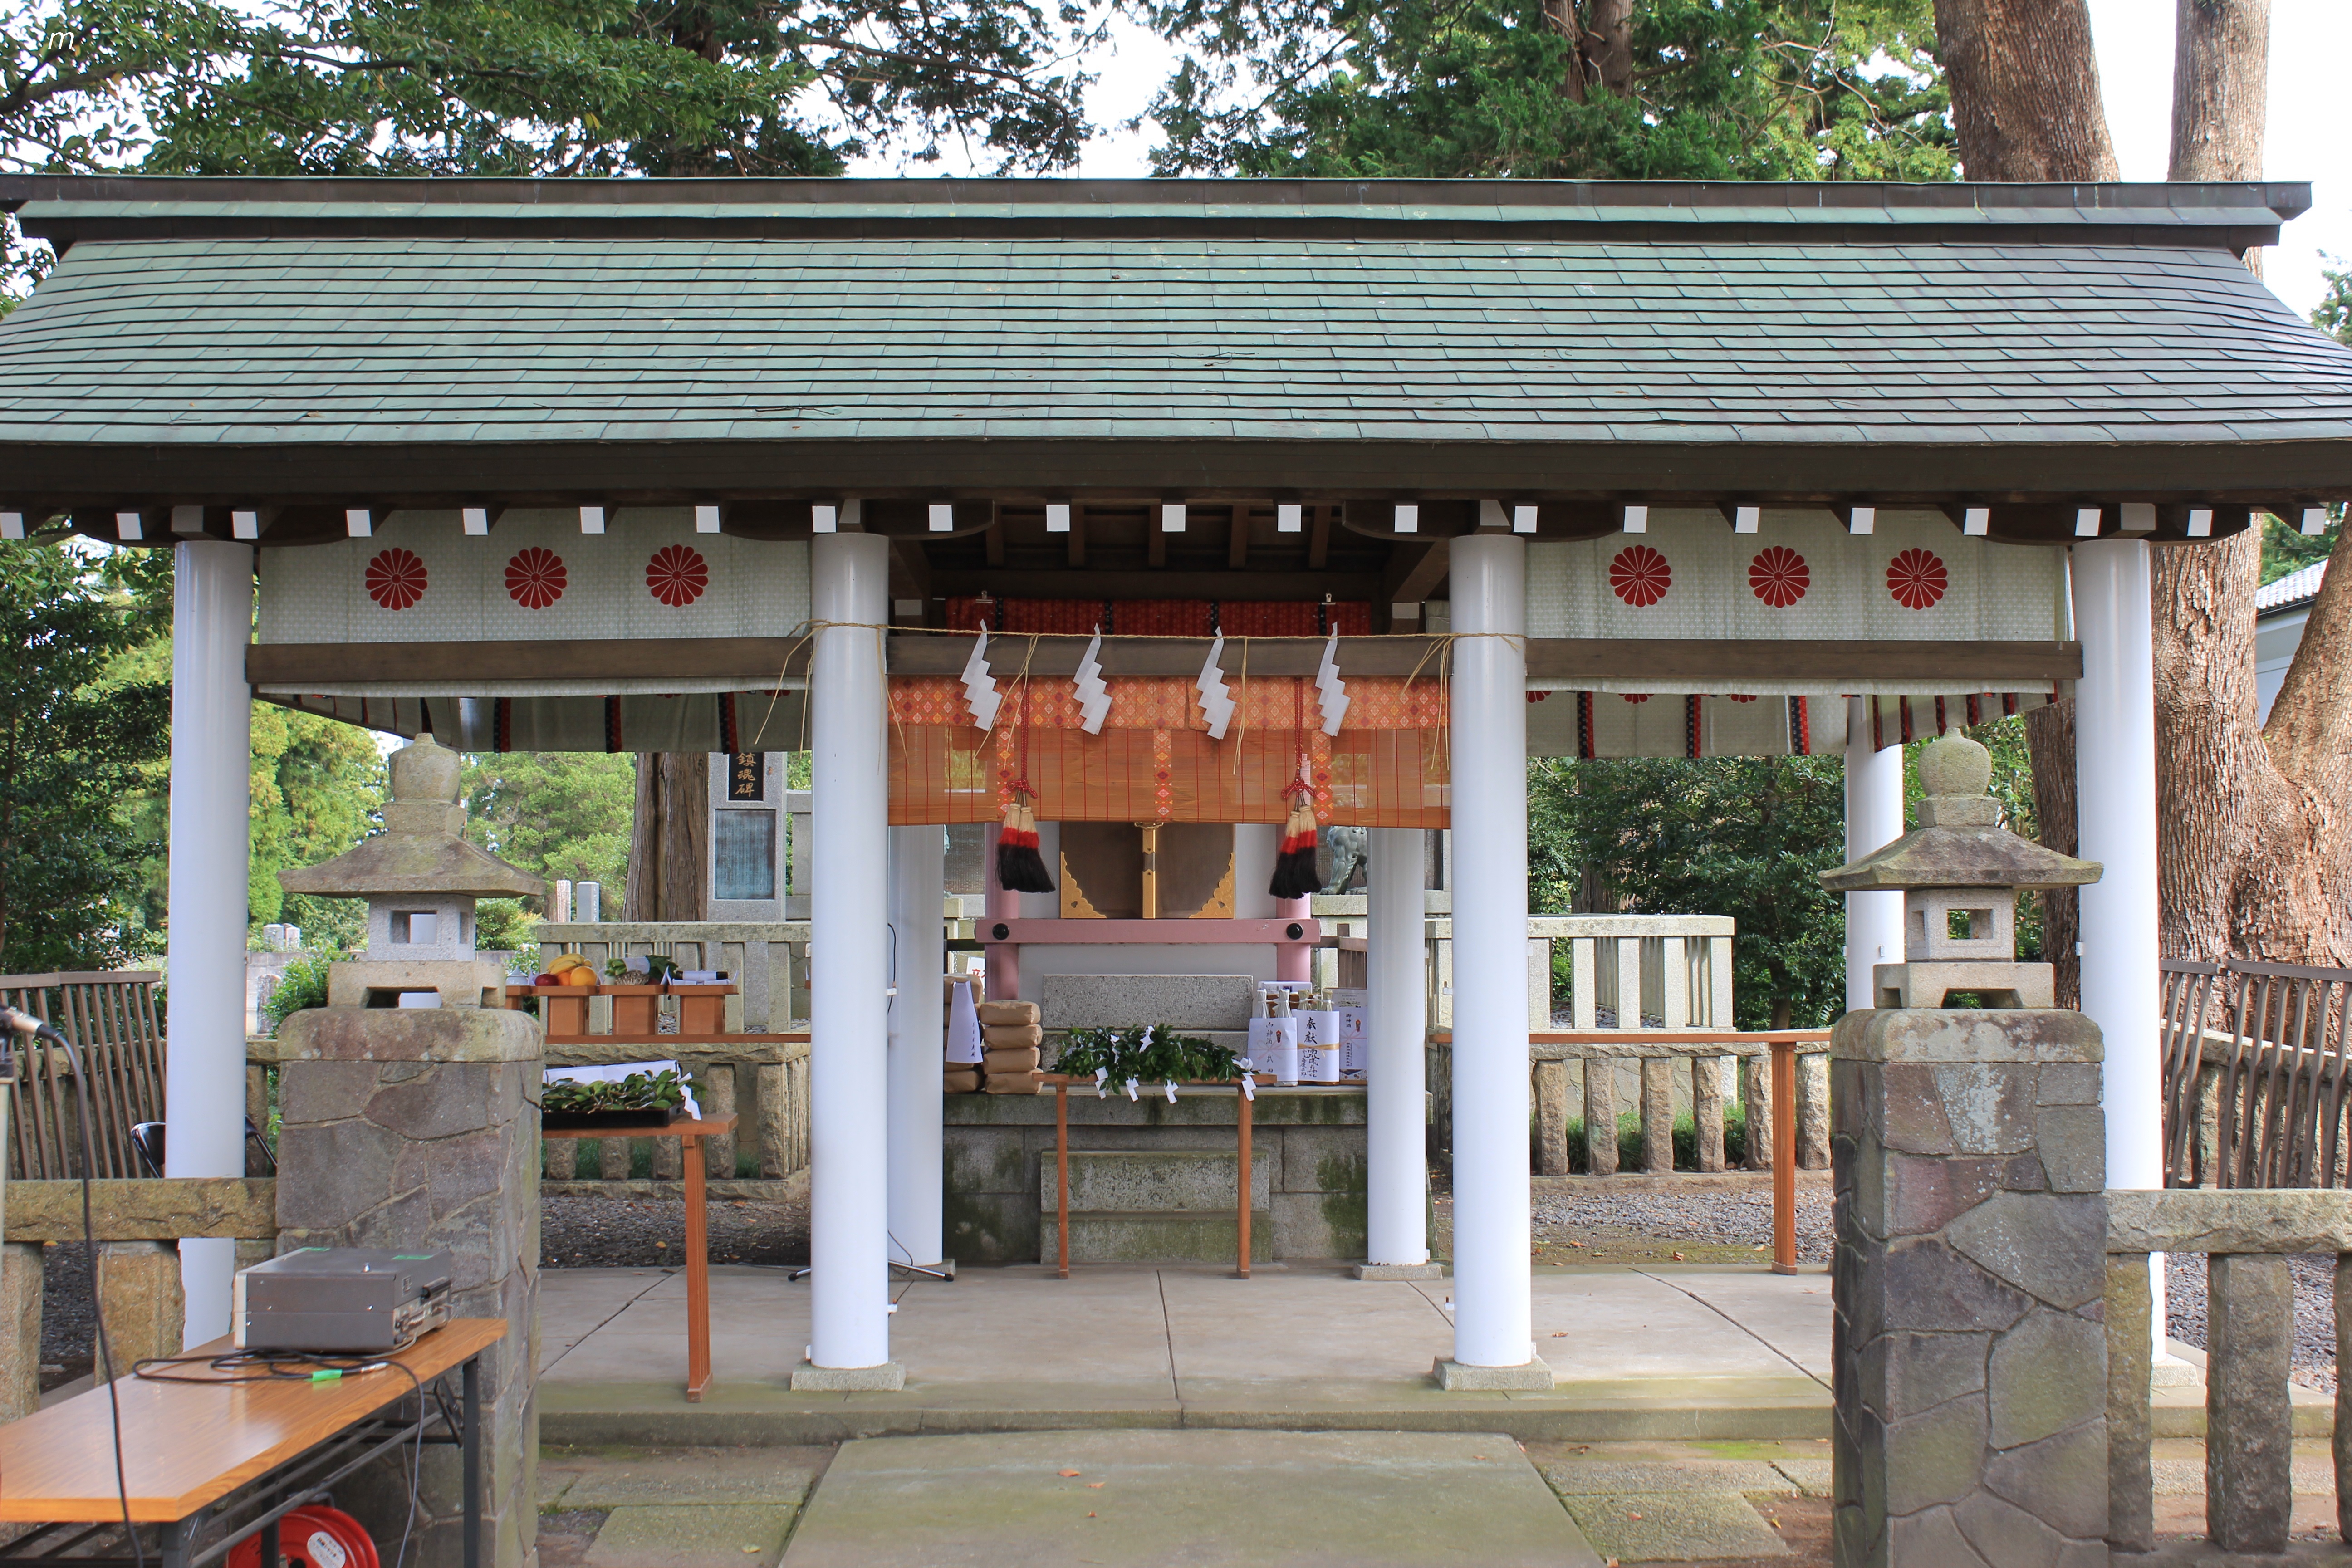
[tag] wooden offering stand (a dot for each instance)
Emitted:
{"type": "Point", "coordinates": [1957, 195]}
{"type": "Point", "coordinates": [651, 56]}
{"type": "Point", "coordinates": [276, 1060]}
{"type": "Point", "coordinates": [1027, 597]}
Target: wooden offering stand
{"type": "Point", "coordinates": [1060, 1083]}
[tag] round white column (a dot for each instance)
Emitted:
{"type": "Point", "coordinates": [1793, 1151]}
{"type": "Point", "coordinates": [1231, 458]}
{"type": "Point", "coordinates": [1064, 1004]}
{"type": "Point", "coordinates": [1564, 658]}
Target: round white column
{"type": "Point", "coordinates": [1396, 1154]}
{"type": "Point", "coordinates": [849, 955]}
{"type": "Point", "coordinates": [918, 891]}
{"type": "Point", "coordinates": [212, 758]}
{"type": "Point", "coordinates": [1874, 820]}
{"type": "Point", "coordinates": [1491, 1275]}
{"type": "Point", "coordinates": [1256, 845]}
{"type": "Point", "coordinates": [2114, 775]}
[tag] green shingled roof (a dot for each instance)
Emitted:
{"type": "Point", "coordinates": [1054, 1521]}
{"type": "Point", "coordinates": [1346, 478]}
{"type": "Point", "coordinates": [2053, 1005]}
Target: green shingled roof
{"type": "Point", "coordinates": [2008, 328]}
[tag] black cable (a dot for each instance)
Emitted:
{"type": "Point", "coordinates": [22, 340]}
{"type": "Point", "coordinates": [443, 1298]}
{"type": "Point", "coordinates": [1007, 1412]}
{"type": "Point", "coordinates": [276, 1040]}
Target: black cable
{"type": "Point", "coordinates": [28, 1024]}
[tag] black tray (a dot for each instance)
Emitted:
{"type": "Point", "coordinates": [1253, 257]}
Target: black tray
{"type": "Point", "coordinates": [558, 1121]}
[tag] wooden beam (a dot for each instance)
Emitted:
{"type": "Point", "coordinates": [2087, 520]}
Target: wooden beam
{"type": "Point", "coordinates": [910, 569]}
{"type": "Point", "coordinates": [235, 1208]}
{"type": "Point", "coordinates": [1077, 536]}
{"type": "Point", "coordinates": [1237, 537]}
{"type": "Point", "coordinates": [1318, 539]}
{"type": "Point", "coordinates": [756, 662]}
{"type": "Point", "coordinates": [1058, 656]}
{"type": "Point", "coordinates": [1155, 547]}
{"type": "Point", "coordinates": [1414, 571]}
{"type": "Point", "coordinates": [1999, 665]}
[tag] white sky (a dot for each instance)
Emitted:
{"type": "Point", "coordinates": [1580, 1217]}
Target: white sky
{"type": "Point", "coordinates": [2311, 47]}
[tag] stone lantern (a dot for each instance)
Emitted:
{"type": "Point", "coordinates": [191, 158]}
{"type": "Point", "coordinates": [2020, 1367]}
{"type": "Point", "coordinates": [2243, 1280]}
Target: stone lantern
{"type": "Point", "coordinates": [1960, 872]}
{"type": "Point", "coordinates": [421, 880]}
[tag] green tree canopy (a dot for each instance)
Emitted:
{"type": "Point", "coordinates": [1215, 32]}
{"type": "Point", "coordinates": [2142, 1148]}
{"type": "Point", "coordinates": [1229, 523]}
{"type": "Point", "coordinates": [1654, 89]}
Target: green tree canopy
{"type": "Point", "coordinates": [557, 815]}
{"type": "Point", "coordinates": [75, 745]}
{"type": "Point", "coordinates": [1554, 89]}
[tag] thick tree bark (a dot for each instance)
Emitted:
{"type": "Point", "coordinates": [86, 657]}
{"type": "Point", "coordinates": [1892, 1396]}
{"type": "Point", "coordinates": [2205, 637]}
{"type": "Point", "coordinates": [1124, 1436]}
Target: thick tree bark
{"type": "Point", "coordinates": [2025, 89]}
{"type": "Point", "coordinates": [2050, 741]}
{"type": "Point", "coordinates": [1610, 40]}
{"type": "Point", "coordinates": [669, 838]}
{"type": "Point", "coordinates": [2251, 839]}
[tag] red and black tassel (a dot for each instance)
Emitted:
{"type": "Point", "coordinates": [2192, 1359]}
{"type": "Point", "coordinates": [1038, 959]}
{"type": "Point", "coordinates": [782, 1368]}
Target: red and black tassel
{"type": "Point", "coordinates": [1295, 872]}
{"type": "Point", "coordinates": [1020, 868]}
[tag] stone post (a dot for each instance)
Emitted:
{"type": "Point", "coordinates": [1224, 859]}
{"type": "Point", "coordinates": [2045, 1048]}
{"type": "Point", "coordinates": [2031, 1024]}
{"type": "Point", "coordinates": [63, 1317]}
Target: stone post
{"type": "Point", "coordinates": [1601, 1117]}
{"type": "Point", "coordinates": [417, 1129]}
{"type": "Point", "coordinates": [141, 1301]}
{"type": "Point", "coordinates": [2249, 1423]}
{"type": "Point", "coordinates": [1658, 1115]}
{"type": "Point", "coordinates": [1552, 1117]}
{"type": "Point", "coordinates": [1756, 1108]}
{"type": "Point", "coordinates": [1970, 1357]}
{"type": "Point", "coordinates": [20, 1344]}
{"type": "Point", "coordinates": [1707, 1110]}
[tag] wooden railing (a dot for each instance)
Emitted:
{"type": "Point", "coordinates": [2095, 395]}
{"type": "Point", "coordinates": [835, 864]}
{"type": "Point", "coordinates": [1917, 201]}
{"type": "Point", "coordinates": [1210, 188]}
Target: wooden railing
{"type": "Point", "coordinates": [2249, 1352]}
{"type": "Point", "coordinates": [112, 1018]}
{"type": "Point", "coordinates": [2257, 1058]}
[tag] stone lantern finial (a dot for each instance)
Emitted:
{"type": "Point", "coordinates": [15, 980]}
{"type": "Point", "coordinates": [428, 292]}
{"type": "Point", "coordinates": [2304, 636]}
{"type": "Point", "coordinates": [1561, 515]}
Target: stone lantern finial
{"type": "Point", "coordinates": [1959, 872]}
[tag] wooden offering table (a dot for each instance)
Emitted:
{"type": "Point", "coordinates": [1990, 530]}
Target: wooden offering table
{"type": "Point", "coordinates": [698, 1231]}
{"type": "Point", "coordinates": [215, 1460]}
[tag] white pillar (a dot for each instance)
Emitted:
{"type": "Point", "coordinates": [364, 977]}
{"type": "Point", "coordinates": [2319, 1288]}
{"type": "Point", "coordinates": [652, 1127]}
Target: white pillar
{"type": "Point", "coordinates": [2115, 775]}
{"type": "Point", "coordinates": [1491, 1275]}
{"type": "Point", "coordinates": [1256, 845]}
{"type": "Point", "coordinates": [212, 759]}
{"type": "Point", "coordinates": [849, 956]}
{"type": "Point", "coordinates": [1396, 1139]}
{"type": "Point", "coordinates": [918, 886]}
{"type": "Point", "coordinates": [1874, 820]}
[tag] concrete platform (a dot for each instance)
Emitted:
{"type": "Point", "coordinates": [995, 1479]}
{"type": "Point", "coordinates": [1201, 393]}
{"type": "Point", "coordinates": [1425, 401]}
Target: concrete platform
{"type": "Point", "coordinates": [1637, 1353]}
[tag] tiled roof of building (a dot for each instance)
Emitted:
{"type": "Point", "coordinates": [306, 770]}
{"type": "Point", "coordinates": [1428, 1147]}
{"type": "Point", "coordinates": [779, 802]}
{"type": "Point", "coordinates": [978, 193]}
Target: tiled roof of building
{"type": "Point", "coordinates": [2292, 591]}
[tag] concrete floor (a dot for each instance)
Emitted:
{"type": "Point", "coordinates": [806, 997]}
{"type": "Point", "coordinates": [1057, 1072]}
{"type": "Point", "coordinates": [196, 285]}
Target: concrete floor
{"type": "Point", "coordinates": [1668, 1351]}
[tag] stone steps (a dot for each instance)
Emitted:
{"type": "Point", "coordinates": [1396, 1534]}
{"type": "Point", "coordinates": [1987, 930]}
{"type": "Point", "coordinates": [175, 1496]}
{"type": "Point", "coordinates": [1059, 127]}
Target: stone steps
{"type": "Point", "coordinates": [1156, 1206]}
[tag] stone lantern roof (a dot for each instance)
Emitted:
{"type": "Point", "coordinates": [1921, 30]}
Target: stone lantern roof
{"type": "Point", "coordinates": [1959, 841]}
{"type": "Point", "coordinates": [423, 849]}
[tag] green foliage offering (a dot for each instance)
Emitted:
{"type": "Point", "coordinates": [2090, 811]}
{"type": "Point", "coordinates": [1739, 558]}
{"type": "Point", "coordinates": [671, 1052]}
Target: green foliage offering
{"type": "Point", "coordinates": [557, 815]}
{"type": "Point", "coordinates": [1153, 1055]}
{"type": "Point", "coordinates": [638, 1091]}
{"type": "Point", "coordinates": [1744, 836]}
{"type": "Point", "coordinates": [304, 985]}
{"type": "Point", "coordinates": [657, 968]}
{"type": "Point", "coordinates": [1463, 88]}
{"type": "Point", "coordinates": [75, 744]}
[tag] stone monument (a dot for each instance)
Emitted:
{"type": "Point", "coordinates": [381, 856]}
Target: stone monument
{"type": "Point", "coordinates": [1969, 1153]}
{"type": "Point", "coordinates": [416, 1127]}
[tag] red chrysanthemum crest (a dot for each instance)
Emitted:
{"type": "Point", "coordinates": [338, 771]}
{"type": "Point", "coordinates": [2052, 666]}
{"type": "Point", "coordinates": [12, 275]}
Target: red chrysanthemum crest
{"type": "Point", "coordinates": [536, 578]}
{"type": "Point", "coordinates": [1736, 698]}
{"type": "Point", "coordinates": [1637, 696]}
{"type": "Point", "coordinates": [1918, 579]}
{"type": "Point", "coordinates": [1640, 575]}
{"type": "Point", "coordinates": [396, 578]}
{"type": "Point", "coordinates": [677, 575]}
{"type": "Point", "coordinates": [1779, 576]}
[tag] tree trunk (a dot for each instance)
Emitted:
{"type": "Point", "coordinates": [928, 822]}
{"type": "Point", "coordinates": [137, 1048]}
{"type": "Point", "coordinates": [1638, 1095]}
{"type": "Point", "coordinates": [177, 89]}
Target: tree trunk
{"type": "Point", "coordinates": [2050, 741]}
{"type": "Point", "coordinates": [669, 838]}
{"type": "Point", "coordinates": [2250, 848]}
{"type": "Point", "coordinates": [2025, 89]}
{"type": "Point", "coordinates": [1609, 42]}
{"type": "Point", "coordinates": [1561, 17]}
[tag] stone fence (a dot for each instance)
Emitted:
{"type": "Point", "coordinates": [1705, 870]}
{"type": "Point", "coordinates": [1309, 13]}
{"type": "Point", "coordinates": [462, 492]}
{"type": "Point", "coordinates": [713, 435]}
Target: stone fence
{"type": "Point", "coordinates": [139, 1224]}
{"type": "Point", "coordinates": [2249, 1316]}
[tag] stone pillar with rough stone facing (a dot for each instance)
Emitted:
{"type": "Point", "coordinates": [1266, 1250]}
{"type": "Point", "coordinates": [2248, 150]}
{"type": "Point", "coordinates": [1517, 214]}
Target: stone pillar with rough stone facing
{"type": "Point", "coordinates": [415, 1130]}
{"type": "Point", "coordinates": [1969, 1154]}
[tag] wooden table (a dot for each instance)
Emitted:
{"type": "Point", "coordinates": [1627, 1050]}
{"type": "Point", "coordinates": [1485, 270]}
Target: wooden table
{"type": "Point", "coordinates": [698, 1231]}
{"type": "Point", "coordinates": [244, 1453]}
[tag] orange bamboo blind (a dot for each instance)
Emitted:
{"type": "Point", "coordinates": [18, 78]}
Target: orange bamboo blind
{"type": "Point", "coordinates": [1155, 761]}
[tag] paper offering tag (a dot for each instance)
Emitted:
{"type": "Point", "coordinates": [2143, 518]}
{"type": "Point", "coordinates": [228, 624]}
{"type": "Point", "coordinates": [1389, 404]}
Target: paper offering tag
{"type": "Point", "coordinates": [1102, 1083]}
{"type": "Point", "coordinates": [1274, 1042]}
{"type": "Point", "coordinates": [1171, 1092]}
{"type": "Point", "coordinates": [1248, 1070]}
{"type": "Point", "coordinates": [963, 1029]}
{"type": "Point", "coordinates": [1131, 1088]}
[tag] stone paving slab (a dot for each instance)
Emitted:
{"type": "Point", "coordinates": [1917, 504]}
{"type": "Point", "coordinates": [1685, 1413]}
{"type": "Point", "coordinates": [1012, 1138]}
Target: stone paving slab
{"type": "Point", "coordinates": [692, 1536]}
{"type": "Point", "coordinates": [1606, 1478]}
{"type": "Point", "coordinates": [1237, 1499]}
{"type": "Point", "coordinates": [626, 1478]}
{"type": "Point", "coordinates": [1675, 1526]}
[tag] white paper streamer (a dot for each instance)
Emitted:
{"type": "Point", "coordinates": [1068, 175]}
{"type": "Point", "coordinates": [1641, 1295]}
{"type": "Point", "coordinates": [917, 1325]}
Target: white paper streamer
{"type": "Point", "coordinates": [964, 1047]}
{"type": "Point", "coordinates": [1171, 1092]}
{"type": "Point", "coordinates": [1102, 1083]}
{"type": "Point", "coordinates": [1249, 1081]}
{"type": "Point", "coordinates": [1094, 697]}
{"type": "Point", "coordinates": [1216, 702]}
{"type": "Point", "coordinates": [1131, 1088]}
{"type": "Point", "coordinates": [980, 686]}
{"type": "Point", "coordinates": [1334, 691]}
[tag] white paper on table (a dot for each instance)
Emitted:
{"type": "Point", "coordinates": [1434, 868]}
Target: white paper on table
{"type": "Point", "coordinates": [963, 1029]}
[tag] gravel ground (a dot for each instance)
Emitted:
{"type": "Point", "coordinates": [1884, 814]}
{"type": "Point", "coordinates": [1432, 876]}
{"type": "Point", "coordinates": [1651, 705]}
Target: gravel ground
{"type": "Point", "coordinates": [2315, 1313]}
{"type": "Point", "coordinates": [631, 1233]}
{"type": "Point", "coordinates": [1709, 1219]}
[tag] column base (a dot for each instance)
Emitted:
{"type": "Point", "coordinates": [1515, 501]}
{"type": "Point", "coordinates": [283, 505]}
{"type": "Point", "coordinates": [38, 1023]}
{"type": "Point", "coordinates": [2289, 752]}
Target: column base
{"type": "Point", "coordinates": [810, 1378]}
{"type": "Point", "coordinates": [1455, 1377]}
{"type": "Point", "coordinates": [1400, 1271]}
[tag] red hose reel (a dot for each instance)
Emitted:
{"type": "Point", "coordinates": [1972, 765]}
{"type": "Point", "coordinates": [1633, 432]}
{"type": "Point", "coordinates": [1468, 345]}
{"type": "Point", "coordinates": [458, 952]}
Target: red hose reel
{"type": "Point", "coordinates": [312, 1536]}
